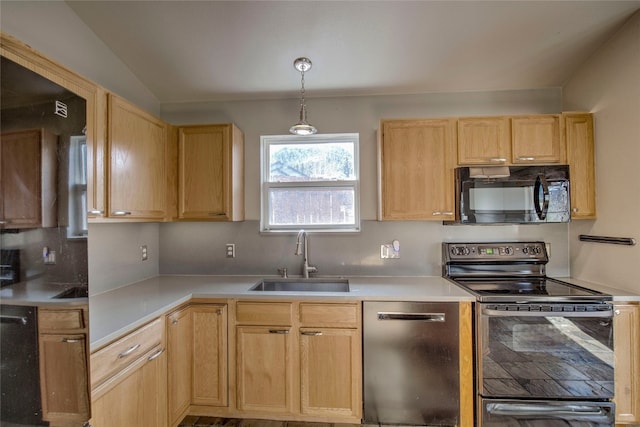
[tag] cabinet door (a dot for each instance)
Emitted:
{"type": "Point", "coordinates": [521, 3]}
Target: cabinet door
{"type": "Point", "coordinates": [264, 369]}
{"type": "Point", "coordinates": [138, 166]}
{"type": "Point", "coordinates": [417, 161]}
{"type": "Point", "coordinates": [121, 405]}
{"type": "Point", "coordinates": [179, 353]}
{"type": "Point", "coordinates": [154, 390]}
{"type": "Point", "coordinates": [210, 173]}
{"type": "Point", "coordinates": [484, 141]}
{"type": "Point", "coordinates": [537, 139]}
{"type": "Point", "coordinates": [209, 355]}
{"type": "Point", "coordinates": [63, 378]}
{"type": "Point", "coordinates": [28, 170]}
{"type": "Point", "coordinates": [331, 366]}
{"type": "Point", "coordinates": [626, 340]}
{"type": "Point", "coordinates": [580, 155]}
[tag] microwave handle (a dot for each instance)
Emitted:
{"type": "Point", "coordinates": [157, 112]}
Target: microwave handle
{"type": "Point", "coordinates": [541, 208]}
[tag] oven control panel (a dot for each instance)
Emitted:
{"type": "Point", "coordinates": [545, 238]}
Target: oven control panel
{"type": "Point", "coordinates": [495, 251]}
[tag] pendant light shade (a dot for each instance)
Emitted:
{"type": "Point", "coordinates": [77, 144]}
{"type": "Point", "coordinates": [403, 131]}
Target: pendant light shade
{"type": "Point", "coordinates": [302, 127]}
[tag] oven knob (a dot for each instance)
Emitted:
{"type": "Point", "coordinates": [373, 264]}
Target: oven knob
{"type": "Point", "coordinates": [525, 250]}
{"type": "Point", "coordinates": [508, 250]}
{"type": "Point", "coordinates": [460, 250]}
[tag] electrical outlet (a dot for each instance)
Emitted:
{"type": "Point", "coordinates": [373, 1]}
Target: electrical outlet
{"type": "Point", "coordinates": [144, 253]}
{"type": "Point", "coordinates": [231, 250]}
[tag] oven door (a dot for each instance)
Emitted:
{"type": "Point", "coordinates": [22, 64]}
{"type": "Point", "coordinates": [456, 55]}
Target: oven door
{"type": "Point", "coordinates": [545, 351]}
{"type": "Point", "coordinates": [515, 413]}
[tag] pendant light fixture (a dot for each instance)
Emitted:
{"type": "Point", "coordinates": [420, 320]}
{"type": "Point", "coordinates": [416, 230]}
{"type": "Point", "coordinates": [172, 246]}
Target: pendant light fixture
{"type": "Point", "coordinates": [302, 127]}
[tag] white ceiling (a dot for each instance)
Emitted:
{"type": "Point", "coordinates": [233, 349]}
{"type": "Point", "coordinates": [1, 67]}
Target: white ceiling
{"type": "Point", "coordinates": [186, 51]}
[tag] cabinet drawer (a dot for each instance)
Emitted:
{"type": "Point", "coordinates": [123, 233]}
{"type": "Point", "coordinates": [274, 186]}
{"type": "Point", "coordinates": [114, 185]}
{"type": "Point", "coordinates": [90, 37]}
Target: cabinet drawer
{"type": "Point", "coordinates": [117, 355]}
{"type": "Point", "coordinates": [263, 313]}
{"type": "Point", "coordinates": [55, 320]}
{"type": "Point", "coordinates": [330, 315]}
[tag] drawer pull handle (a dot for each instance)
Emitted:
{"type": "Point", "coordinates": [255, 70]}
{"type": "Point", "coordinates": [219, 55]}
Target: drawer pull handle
{"type": "Point", "coordinates": [128, 352]}
{"type": "Point", "coordinates": [312, 333]}
{"type": "Point", "coordinates": [96, 212]}
{"type": "Point", "coordinates": [279, 331]}
{"type": "Point", "coordinates": [71, 340]}
{"type": "Point", "coordinates": [156, 355]}
{"type": "Point", "coordinates": [438, 213]}
{"type": "Point", "coordinates": [498, 159]}
{"type": "Point", "coordinates": [217, 214]}
{"type": "Point", "coordinates": [526, 159]}
{"type": "Point", "coordinates": [120, 213]}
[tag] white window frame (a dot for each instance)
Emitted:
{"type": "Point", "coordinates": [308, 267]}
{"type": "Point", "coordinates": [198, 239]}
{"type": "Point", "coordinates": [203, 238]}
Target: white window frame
{"type": "Point", "coordinates": [77, 204]}
{"type": "Point", "coordinates": [267, 140]}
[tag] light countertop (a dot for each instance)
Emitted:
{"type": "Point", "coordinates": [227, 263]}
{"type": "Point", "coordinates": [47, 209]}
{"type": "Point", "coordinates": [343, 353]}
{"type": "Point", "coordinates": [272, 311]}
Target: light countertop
{"type": "Point", "coordinates": [121, 310]}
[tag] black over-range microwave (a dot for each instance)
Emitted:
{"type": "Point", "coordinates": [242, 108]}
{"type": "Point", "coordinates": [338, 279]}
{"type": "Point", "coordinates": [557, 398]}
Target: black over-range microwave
{"type": "Point", "coordinates": [512, 194]}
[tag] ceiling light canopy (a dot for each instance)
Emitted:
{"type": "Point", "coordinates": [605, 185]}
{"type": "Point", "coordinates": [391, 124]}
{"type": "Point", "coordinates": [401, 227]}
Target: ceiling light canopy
{"type": "Point", "coordinates": [302, 127]}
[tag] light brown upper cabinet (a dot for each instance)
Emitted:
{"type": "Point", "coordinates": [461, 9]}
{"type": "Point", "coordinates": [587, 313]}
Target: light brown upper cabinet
{"type": "Point", "coordinates": [28, 171]}
{"type": "Point", "coordinates": [581, 153]}
{"type": "Point", "coordinates": [416, 163]}
{"type": "Point", "coordinates": [484, 141]}
{"type": "Point", "coordinates": [537, 139]}
{"type": "Point", "coordinates": [210, 173]}
{"type": "Point", "coordinates": [505, 140]}
{"type": "Point", "coordinates": [139, 163]}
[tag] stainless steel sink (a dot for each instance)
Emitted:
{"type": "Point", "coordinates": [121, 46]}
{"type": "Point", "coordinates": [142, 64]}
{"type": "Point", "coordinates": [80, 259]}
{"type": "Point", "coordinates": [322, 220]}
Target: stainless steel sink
{"type": "Point", "coordinates": [302, 285]}
{"type": "Point", "coordinates": [75, 292]}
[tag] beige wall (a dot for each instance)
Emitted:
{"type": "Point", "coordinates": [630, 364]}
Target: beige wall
{"type": "Point", "coordinates": [609, 86]}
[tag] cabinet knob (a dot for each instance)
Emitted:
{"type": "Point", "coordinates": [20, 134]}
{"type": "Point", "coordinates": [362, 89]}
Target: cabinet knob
{"type": "Point", "coordinates": [616, 312]}
{"type": "Point", "coordinates": [575, 210]}
{"type": "Point", "coordinates": [174, 321]}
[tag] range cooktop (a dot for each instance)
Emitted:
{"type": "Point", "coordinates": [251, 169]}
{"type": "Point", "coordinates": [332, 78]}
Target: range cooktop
{"type": "Point", "coordinates": [509, 272]}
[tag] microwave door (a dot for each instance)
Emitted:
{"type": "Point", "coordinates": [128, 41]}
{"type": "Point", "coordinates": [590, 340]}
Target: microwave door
{"type": "Point", "coordinates": [541, 197]}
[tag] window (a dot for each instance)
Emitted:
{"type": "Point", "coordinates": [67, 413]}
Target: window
{"type": "Point", "coordinates": [310, 182]}
{"type": "Point", "coordinates": [77, 188]}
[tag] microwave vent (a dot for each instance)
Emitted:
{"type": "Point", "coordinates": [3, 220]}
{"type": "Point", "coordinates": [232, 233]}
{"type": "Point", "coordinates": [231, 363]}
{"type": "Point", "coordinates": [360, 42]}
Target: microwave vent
{"type": "Point", "coordinates": [489, 172]}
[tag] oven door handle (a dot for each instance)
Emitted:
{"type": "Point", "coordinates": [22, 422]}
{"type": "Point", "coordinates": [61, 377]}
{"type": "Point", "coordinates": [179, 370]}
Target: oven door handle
{"type": "Point", "coordinates": [514, 313]}
{"type": "Point", "coordinates": [527, 410]}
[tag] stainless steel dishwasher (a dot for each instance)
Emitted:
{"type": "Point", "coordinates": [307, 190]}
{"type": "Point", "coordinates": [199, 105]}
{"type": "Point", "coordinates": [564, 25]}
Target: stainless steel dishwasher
{"type": "Point", "coordinates": [411, 363]}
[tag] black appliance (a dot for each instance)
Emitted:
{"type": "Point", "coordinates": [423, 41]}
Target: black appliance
{"type": "Point", "coordinates": [9, 267]}
{"type": "Point", "coordinates": [544, 347]}
{"type": "Point", "coordinates": [20, 402]}
{"type": "Point", "coordinates": [512, 194]}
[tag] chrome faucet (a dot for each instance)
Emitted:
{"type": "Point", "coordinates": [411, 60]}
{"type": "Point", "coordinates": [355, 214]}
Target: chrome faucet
{"type": "Point", "coordinates": [302, 242]}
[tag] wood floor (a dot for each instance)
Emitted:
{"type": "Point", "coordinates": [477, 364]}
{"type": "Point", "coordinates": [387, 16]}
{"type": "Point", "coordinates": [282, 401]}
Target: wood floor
{"type": "Point", "coordinates": [234, 422]}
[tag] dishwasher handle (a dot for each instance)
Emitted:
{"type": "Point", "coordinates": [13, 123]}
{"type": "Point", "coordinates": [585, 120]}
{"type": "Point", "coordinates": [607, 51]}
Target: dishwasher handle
{"type": "Point", "coordinates": [422, 317]}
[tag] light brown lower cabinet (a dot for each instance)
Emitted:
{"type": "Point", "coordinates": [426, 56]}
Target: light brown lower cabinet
{"type": "Point", "coordinates": [63, 366]}
{"type": "Point", "coordinates": [626, 341]}
{"type": "Point", "coordinates": [136, 396]}
{"type": "Point", "coordinates": [298, 360]}
{"type": "Point", "coordinates": [197, 357]}
{"type": "Point", "coordinates": [129, 380]}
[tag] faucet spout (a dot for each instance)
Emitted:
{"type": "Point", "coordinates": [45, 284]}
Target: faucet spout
{"type": "Point", "coordinates": [302, 248]}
